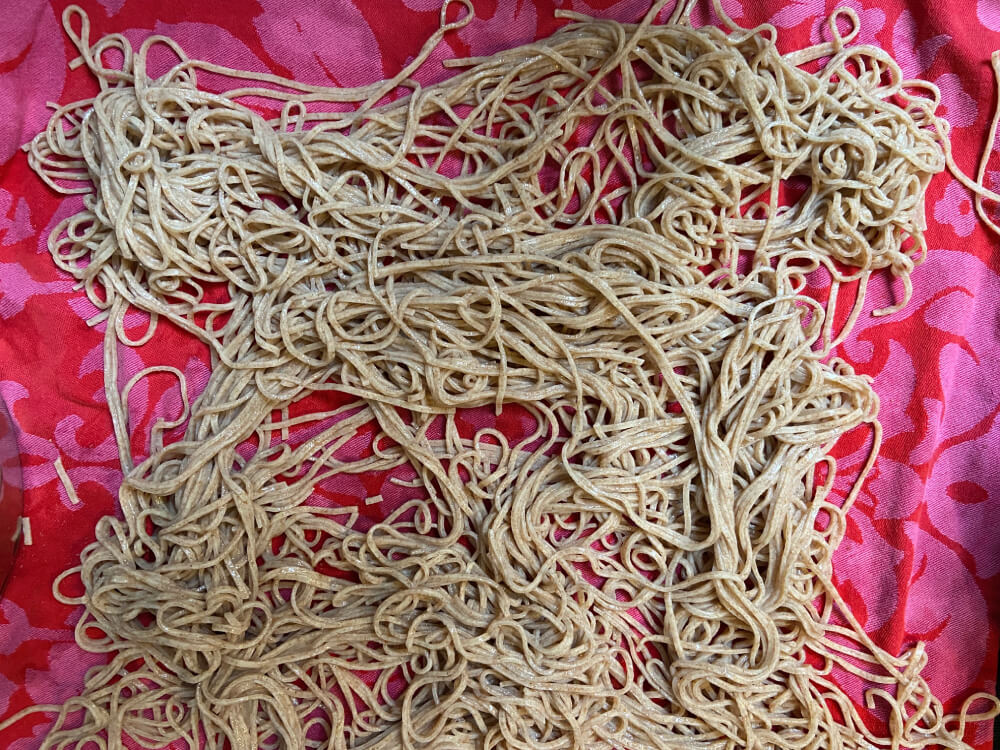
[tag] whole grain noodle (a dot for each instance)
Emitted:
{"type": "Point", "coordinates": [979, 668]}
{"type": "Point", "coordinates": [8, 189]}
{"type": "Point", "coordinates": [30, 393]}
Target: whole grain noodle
{"type": "Point", "coordinates": [597, 233]}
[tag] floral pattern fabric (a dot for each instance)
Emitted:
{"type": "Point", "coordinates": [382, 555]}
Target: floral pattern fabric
{"type": "Point", "coordinates": [921, 557]}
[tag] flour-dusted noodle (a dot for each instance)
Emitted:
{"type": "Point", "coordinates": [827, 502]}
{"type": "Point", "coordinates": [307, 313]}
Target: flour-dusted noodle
{"type": "Point", "coordinates": [607, 233]}
{"type": "Point", "coordinates": [65, 481]}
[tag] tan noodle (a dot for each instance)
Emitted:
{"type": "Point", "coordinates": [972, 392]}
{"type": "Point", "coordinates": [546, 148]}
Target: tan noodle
{"type": "Point", "coordinates": [606, 233]}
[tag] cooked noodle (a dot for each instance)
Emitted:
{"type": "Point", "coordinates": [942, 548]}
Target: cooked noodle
{"type": "Point", "coordinates": [555, 301]}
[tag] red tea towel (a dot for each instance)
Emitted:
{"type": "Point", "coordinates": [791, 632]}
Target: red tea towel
{"type": "Point", "coordinates": [921, 556]}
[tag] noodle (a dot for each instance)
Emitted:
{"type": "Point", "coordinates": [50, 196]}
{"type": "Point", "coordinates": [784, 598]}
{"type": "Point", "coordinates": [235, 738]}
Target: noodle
{"type": "Point", "coordinates": [556, 302]}
{"type": "Point", "coordinates": [65, 481]}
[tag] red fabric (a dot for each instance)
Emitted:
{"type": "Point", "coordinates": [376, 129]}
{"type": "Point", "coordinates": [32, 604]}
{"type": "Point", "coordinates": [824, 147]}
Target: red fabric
{"type": "Point", "coordinates": [921, 559]}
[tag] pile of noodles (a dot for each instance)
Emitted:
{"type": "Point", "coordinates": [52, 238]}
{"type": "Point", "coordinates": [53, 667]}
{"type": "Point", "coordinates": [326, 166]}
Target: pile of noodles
{"type": "Point", "coordinates": [555, 302]}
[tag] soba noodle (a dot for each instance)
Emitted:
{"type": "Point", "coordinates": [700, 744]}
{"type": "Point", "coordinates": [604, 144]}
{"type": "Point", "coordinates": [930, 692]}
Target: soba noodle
{"type": "Point", "coordinates": [555, 304]}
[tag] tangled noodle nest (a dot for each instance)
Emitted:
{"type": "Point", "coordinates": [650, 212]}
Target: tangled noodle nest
{"type": "Point", "coordinates": [555, 304]}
